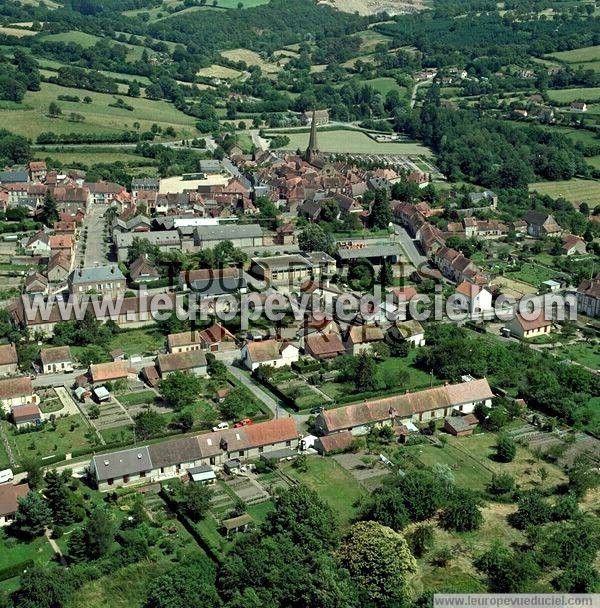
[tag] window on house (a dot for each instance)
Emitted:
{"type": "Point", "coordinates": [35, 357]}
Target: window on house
{"type": "Point", "coordinates": [143, 474]}
{"type": "Point", "coordinates": [109, 482]}
{"type": "Point", "coordinates": [125, 478]}
{"type": "Point", "coordinates": [288, 443]}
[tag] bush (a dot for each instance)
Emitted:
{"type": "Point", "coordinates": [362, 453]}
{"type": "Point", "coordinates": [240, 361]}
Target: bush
{"type": "Point", "coordinates": [506, 448]}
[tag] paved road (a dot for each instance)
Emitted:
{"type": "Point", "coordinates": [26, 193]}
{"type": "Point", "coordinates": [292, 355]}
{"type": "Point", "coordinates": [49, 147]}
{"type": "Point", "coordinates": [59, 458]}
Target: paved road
{"type": "Point", "coordinates": [409, 247]}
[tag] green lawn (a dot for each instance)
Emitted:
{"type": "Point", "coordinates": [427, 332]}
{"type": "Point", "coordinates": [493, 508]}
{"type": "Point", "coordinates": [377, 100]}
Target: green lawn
{"type": "Point", "coordinates": [532, 274]}
{"type": "Point", "coordinates": [137, 341]}
{"type": "Point", "coordinates": [118, 434]}
{"type": "Point", "coordinates": [354, 142]}
{"type": "Point", "coordinates": [584, 353]}
{"type": "Point", "coordinates": [13, 551]}
{"type": "Point", "coordinates": [574, 190]}
{"type": "Point", "coordinates": [80, 38]}
{"type": "Point", "coordinates": [137, 398]}
{"type": "Point", "coordinates": [333, 483]}
{"type": "Point", "coordinates": [31, 118]}
{"type": "Point", "coordinates": [70, 434]}
{"type": "Point", "coordinates": [92, 156]}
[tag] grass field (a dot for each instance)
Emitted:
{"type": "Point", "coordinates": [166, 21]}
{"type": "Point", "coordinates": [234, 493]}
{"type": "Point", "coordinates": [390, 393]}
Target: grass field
{"type": "Point", "coordinates": [137, 341]}
{"type": "Point", "coordinates": [574, 190]}
{"type": "Point", "coordinates": [355, 142]}
{"type": "Point", "coordinates": [13, 552]}
{"type": "Point", "coordinates": [568, 95]}
{"type": "Point", "coordinates": [584, 54]}
{"type": "Point", "coordinates": [219, 71]}
{"type": "Point", "coordinates": [370, 39]}
{"type": "Point", "coordinates": [333, 483]}
{"type": "Point", "coordinates": [31, 119]}
{"type": "Point", "coordinates": [91, 156]}
{"type": "Point", "coordinates": [81, 38]}
{"type": "Point", "coordinates": [385, 85]}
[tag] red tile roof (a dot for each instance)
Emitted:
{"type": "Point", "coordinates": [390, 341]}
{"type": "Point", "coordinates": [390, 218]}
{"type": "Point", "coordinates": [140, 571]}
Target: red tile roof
{"type": "Point", "coordinates": [9, 497]}
{"type": "Point", "coordinates": [16, 387]}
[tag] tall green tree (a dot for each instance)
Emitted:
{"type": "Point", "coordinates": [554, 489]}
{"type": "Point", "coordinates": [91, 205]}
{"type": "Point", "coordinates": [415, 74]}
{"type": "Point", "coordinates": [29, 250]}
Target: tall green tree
{"type": "Point", "coordinates": [32, 516]}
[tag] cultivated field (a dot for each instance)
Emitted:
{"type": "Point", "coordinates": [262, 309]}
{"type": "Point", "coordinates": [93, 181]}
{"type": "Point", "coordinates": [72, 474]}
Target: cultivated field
{"type": "Point", "coordinates": [30, 118]}
{"type": "Point", "coordinates": [355, 142]}
{"type": "Point", "coordinates": [574, 190]}
{"type": "Point", "coordinates": [16, 31]}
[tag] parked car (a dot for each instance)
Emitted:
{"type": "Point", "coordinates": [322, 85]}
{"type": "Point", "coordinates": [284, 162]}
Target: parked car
{"type": "Point", "coordinates": [222, 426]}
{"type": "Point", "coordinates": [244, 422]}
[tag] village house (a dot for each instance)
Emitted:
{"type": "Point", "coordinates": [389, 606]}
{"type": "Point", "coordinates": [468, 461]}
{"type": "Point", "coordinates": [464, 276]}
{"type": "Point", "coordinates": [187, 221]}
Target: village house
{"type": "Point", "coordinates": [284, 235]}
{"type": "Point", "coordinates": [109, 372]}
{"type": "Point", "coordinates": [56, 360]}
{"type": "Point", "coordinates": [165, 240]}
{"type": "Point", "coordinates": [411, 331]}
{"type": "Point", "coordinates": [324, 346]}
{"type": "Point", "coordinates": [104, 193]}
{"type": "Point", "coordinates": [26, 415]}
{"type": "Point", "coordinates": [9, 362]}
{"type": "Point", "coordinates": [193, 362]}
{"type": "Point", "coordinates": [217, 338]}
{"type": "Point", "coordinates": [101, 280]}
{"type": "Point", "coordinates": [16, 391]}
{"type": "Point", "coordinates": [59, 266]}
{"type": "Point", "coordinates": [38, 244]}
{"type": "Point", "coordinates": [319, 117]}
{"type": "Point", "coordinates": [292, 269]}
{"type": "Point", "coordinates": [159, 461]}
{"type": "Point", "coordinates": [143, 184]}
{"type": "Point", "coordinates": [36, 283]}
{"type": "Point", "coordinates": [477, 299]}
{"type": "Point", "coordinates": [360, 338]}
{"type": "Point", "coordinates": [72, 200]}
{"type": "Point", "coordinates": [572, 245]}
{"type": "Point", "coordinates": [579, 106]}
{"type": "Point", "coordinates": [9, 501]}
{"type": "Point", "coordinates": [336, 443]}
{"type": "Point", "coordinates": [142, 270]}
{"type": "Point", "coordinates": [529, 328]}
{"type": "Point", "coordinates": [540, 224]}
{"type": "Point", "coordinates": [62, 243]}
{"type": "Point", "coordinates": [269, 352]}
{"type": "Point", "coordinates": [588, 297]}
{"type": "Point", "coordinates": [241, 235]}
{"type": "Point", "coordinates": [37, 170]}
{"type": "Point", "coordinates": [431, 404]}
{"type": "Point", "coordinates": [212, 283]}
{"type": "Point", "coordinates": [184, 342]}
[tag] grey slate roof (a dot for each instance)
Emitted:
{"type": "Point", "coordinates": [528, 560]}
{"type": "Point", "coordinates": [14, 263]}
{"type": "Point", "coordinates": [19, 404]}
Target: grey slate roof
{"type": "Point", "coordinates": [14, 177]}
{"type": "Point", "coordinates": [93, 274]}
{"type": "Point", "coordinates": [160, 237]}
{"type": "Point", "coordinates": [218, 286]}
{"type": "Point", "coordinates": [370, 251]}
{"type": "Point", "coordinates": [124, 462]}
{"type": "Point", "coordinates": [228, 232]}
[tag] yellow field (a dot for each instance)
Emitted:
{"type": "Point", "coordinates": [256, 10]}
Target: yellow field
{"type": "Point", "coordinates": [574, 190]}
{"type": "Point", "coordinates": [16, 32]}
{"type": "Point", "coordinates": [251, 58]}
{"type": "Point", "coordinates": [219, 71]}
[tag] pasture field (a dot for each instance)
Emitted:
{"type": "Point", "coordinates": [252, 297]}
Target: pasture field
{"type": "Point", "coordinates": [569, 95]}
{"type": "Point", "coordinates": [582, 55]}
{"type": "Point", "coordinates": [92, 156]}
{"type": "Point", "coordinates": [370, 39]}
{"type": "Point", "coordinates": [577, 135]}
{"type": "Point", "coordinates": [252, 58]}
{"type": "Point", "coordinates": [356, 142]}
{"type": "Point", "coordinates": [219, 71]}
{"type": "Point", "coordinates": [583, 353]}
{"type": "Point", "coordinates": [82, 38]}
{"type": "Point", "coordinates": [385, 85]}
{"type": "Point", "coordinates": [574, 190]}
{"type": "Point", "coordinates": [30, 118]}
{"type": "Point", "coordinates": [158, 13]}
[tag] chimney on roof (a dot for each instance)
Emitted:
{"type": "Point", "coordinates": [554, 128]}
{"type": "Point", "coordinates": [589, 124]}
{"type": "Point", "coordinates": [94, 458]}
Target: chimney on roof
{"type": "Point", "coordinates": [112, 270]}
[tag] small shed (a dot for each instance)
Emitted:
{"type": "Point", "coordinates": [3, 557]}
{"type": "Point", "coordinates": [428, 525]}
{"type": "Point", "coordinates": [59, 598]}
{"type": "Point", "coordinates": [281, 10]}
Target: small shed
{"type": "Point", "coordinates": [117, 354]}
{"type": "Point", "coordinates": [278, 455]}
{"type": "Point", "coordinates": [101, 394]}
{"type": "Point", "coordinates": [232, 466]}
{"type": "Point", "coordinates": [460, 426]}
{"type": "Point", "coordinates": [82, 393]}
{"type": "Point", "coordinates": [202, 474]}
{"type": "Point", "coordinates": [236, 524]}
{"type": "Point", "coordinates": [26, 415]}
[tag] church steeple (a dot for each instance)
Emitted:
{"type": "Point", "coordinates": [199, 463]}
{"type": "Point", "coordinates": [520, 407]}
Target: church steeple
{"type": "Point", "coordinates": [312, 152]}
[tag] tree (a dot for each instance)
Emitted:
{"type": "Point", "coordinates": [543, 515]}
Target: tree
{"type": "Point", "coordinates": [582, 476]}
{"type": "Point", "coordinates": [34, 472]}
{"type": "Point", "coordinates": [134, 89]}
{"type": "Point", "coordinates": [330, 211]}
{"type": "Point", "coordinates": [43, 587]}
{"type": "Point", "coordinates": [314, 238]}
{"type": "Point", "coordinates": [508, 572]}
{"type": "Point", "coordinates": [303, 515]}
{"type": "Point", "coordinates": [54, 109]}
{"type": "Point", "coordinates": [462, 512]}
{"type": "Point", "coordinates": [148, 424]}
{"type": "Point", "coordinates": [49, 213]}
{"type": "Point", "coordinates": [185, 421]}
{"type": "Point", "coordinates": [421, 540]}
{"type": "Point", "coordinates": [501, 484]}
{"type": "Point", "coordinates": [179, 389]}
{"type": "Point", "coordinates": [32, 516]}
{"type": "Point", "coordinates": [187, 584]}
{"type": "Point", "coordinates": [195, 500]}
{"type": "Point", "coordinates": [99, 532]}
{"type": "Point", "coordinates": [421, 494]}
{"type": "Point", "coordinates": [532, 510]}
{"type": "Point", "coordinates": [379, 562]}
{"type": "Point", "coordinates": [365, 373]}
{"type": "Point", "coordinates": [385, 277]}
{"type": "Point", "coordinates": [385, 507]}
{"type": "Point", "coordinates": [381, 212]}
{"type": "Point", "coordinates": [234, 404]}
{"type": "Point", "coordinates": [506, 448]}
{"type": "Point", "coordinates": [60, 498]}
